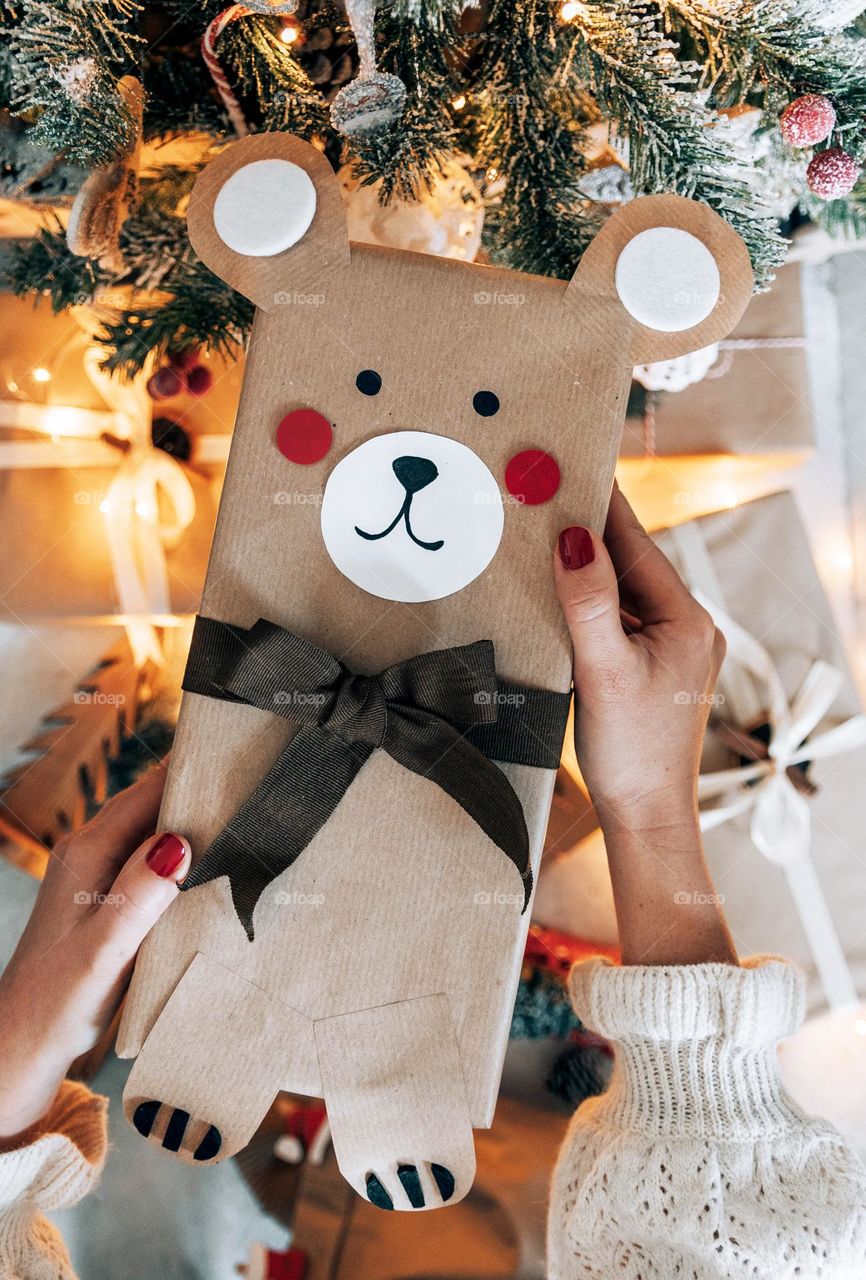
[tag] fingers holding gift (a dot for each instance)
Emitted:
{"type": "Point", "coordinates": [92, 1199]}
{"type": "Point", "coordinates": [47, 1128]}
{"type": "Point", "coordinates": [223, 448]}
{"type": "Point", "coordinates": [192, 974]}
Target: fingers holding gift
{"type": "Point", "coordinates": [145, 887]}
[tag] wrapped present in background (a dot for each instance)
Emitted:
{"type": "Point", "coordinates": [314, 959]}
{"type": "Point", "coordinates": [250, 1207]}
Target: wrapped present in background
{"type": "Point", "coordinates": [109, 489]}
{"type": "Point", "coordinates": [785, 756]}
{"type": "Point", "coordinates": [750, 395]}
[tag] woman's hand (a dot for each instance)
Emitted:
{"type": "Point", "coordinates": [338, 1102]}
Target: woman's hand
{"type": "Point", "coordinates": [646, 658]}
{"type": "Point", "coordinates": [104, 889]}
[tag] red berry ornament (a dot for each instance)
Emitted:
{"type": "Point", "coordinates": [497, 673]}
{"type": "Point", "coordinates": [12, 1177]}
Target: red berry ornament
{"type": "Point", "coordinates": [807, 120]}
{"type": "Point", "coordinates": [832, 173]}
{"type": "Point", "coordinates": [165, 383]}
{"type": "Point", "coordinates": [199, 380]}
{"type": "Point", "coordinates": [184, 359]}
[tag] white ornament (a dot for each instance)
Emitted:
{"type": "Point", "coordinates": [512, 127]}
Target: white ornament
{"type": "Point", "coordinates": [667, 279]}
{"type": "Point", "coordinates": [264, 208]}
{"type": "Point", "coordinates": [762, 159]}
{"type": "Point", "coordinates": [370, 103]}
{"type": "Point", "coordinates": [610, 184]}
{"type": "Point", "coordinates": [77, 79]}
{"type": "Point", "coordinates": [376, 99]}
{"type": "Point", "coordinates": [679, 373]}
{"type": "Point", "coordinates": [835, 15]}
{"type": "Point", "coordinates": [411, 516]}
{"type": "Point", "coordinates": [446, 221]}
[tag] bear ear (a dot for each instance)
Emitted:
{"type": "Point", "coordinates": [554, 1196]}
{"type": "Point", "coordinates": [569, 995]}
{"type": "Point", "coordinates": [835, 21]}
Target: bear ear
{"type": "Point", "coordinates": [667, 272]}
{"type": "Point", "coordinates": [267, 217]}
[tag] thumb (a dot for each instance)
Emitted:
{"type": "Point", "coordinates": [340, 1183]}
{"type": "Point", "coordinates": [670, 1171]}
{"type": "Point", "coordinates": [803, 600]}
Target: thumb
{"type": "Point", "coordinates": [589, 594]}
{"type": "Point", "coordinates": [144, 888]}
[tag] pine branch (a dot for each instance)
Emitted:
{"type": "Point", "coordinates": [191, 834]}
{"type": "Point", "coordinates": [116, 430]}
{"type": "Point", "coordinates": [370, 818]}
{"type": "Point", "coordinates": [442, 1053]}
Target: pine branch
{"type": "Point", "coordinates": [180, 97]}
{"type": "Point", "coordinates": [531, 137]}
{"type": "Point", "coordinates": [620, 52]}
{"type": "Point", "coordinates": [772, 51]}
{"type": "Point", "coordinates": [267, 73]}
{"type": "Point", "coordinates": [202, 311]}
{"type": "Point", "coordinates": [44, 265]}
{"type": "Point", "coordinates": [421, 50]}
{"type": "Point", "coordinates": [67, 56]}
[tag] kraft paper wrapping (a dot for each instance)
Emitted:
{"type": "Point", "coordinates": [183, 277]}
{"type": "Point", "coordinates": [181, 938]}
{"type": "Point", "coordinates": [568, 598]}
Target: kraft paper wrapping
{"type": "Point", "coordinates": [400, 896]}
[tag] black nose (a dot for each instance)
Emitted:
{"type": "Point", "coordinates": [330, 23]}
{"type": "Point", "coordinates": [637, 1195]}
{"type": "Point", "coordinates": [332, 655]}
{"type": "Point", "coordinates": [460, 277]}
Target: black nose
{"type": "Point", "coordinates": [414, 473]}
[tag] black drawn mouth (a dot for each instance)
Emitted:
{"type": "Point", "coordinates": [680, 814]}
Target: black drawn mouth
{"type": "Point", "coordinates": [414, 474]}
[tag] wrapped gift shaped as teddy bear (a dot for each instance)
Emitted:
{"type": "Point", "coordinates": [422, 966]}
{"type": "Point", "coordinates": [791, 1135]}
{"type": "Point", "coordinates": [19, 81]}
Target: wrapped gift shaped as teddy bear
{"type": "Point", "coordinates": [379, 679]}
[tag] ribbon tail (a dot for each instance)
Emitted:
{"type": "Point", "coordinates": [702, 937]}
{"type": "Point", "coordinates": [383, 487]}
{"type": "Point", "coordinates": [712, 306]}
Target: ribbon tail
{"type": "Point", "coordinates": [433, 749]}
{"type": "Point", "coordinates": [273, 827]}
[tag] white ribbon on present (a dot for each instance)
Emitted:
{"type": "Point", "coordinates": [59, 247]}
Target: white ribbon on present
{"type": "Point", "coordinates": [781, 821]}
{"type": "Point", "coordinates": [137, 535]}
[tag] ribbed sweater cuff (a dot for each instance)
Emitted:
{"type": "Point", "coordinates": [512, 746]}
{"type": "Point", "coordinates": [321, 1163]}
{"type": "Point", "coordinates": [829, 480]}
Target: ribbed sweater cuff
{"type": "Point", "coordinates": [60, 1159]}
{"type": "Point", "coordinates": [695, 1044]}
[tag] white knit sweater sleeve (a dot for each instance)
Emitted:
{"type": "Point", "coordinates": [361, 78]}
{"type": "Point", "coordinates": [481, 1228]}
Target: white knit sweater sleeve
{"type": "Point", "coordinates": [695, 1165]}
{"type": "Point", "coordinates": [59, 1163]}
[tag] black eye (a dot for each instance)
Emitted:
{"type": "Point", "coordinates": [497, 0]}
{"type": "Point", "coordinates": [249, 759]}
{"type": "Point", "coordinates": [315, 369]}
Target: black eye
{"type": "Point", "coordinates": [368, 382]}
{"type": "Point", "coordinates": [485, 403]}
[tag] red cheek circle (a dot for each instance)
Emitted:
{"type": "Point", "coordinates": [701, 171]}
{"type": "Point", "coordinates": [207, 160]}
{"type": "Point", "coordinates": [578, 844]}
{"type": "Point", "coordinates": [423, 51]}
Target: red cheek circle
{"type": "Point", "coordinates": [532, 477]}
{"type": "Point", "coordinates": [304, 436]}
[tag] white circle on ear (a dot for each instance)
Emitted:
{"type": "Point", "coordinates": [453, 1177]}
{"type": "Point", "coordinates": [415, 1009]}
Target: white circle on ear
{"type": "Point", "coordinates": [411, 516]}
{"type": "Point", "coordinates": [667, 279]}
{"type": "Point", "coordinates": [264, 207]}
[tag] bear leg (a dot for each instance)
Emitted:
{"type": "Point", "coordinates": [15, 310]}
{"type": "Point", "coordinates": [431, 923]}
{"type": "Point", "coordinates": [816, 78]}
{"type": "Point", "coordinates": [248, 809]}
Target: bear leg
{"type": "Point", "coordinates": [396, 1100]}
{"type": "Point", "coordinates": [212, 1065]}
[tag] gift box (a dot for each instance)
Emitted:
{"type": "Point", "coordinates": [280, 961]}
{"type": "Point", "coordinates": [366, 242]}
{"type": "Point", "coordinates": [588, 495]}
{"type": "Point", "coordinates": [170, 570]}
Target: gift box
{"type": "Point", "coordinates": [755, 397]}
{"type": "Point", "coordinates": [379, 677]}
{"type": "Point", "coordinates": [96, 521]}
{"type": "Point", "coordinates": [784, 831]}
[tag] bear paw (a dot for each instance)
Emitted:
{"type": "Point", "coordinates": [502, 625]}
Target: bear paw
{"type": "Point", "coordinates": [415, 1186]}
{"type": "Point", "coordinates": [175, 1130]}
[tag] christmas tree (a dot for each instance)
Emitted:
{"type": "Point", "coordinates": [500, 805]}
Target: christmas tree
{"type": "Point", "coordinates": [553, 112]}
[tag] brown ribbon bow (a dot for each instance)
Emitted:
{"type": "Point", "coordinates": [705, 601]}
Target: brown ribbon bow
{"type": "Point", "coordinates": [438, 714]}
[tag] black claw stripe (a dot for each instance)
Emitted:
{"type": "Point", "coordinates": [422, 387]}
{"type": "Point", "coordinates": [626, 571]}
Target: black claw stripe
{"type": "Point", "coordinates": [175, 1129]}
{"type": "Point", "coordinates": [444, 1179]}
{"type": "Point", "coordinates": [408, 1175]}
{"type": "Point", "coordinates": [209, 1145]}
{"type": "Point", "coordinates": [377, 1194]}
{"type": "Point", "coordinates": [144, 1115]}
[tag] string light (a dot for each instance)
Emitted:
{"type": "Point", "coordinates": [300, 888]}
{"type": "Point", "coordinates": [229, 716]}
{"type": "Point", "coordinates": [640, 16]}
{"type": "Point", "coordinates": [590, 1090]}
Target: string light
{"type": "Point", "coordinates": [41, 374]}
{"type": "Point", "coordinates": [570, 10]}
{"type": "Point", "coordinates": [459, 102]}
{"type": "Point", "coordinates": [289, 33]}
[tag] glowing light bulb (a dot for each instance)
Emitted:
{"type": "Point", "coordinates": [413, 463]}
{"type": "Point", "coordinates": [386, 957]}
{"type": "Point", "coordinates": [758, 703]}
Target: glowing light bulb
{"type": "Point", "coordinates": [459, 102]}
{"type": "Point", "coordinates": [289, 33]}
{"type": "Point", "coordinates": [570, 10]}
{"type": "Point", "coordinates": [41, 374]}
{"type": "Point", "coordinates": [105, 506]}
{"type": "Point", "coordinates": [492, 173]}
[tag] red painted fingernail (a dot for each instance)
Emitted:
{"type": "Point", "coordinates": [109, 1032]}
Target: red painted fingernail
{"type": "Point", "coordinates": [575, 547]}
{"type": "Point", "coordinates": [166, 856]}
